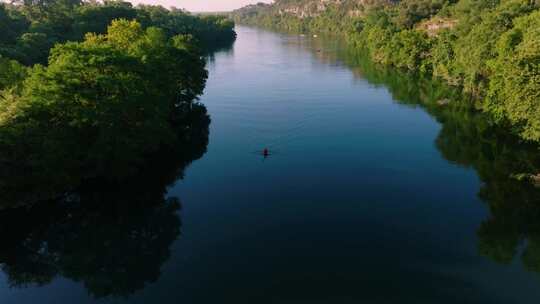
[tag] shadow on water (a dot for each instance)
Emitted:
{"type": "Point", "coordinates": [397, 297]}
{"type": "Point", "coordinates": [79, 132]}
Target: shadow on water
{"type": "Point", "coordinates": [469, 139]}
{"type": "Point", "coordinates": [223, 49]}
{"type": "Point", "coordinates": [113, 235]}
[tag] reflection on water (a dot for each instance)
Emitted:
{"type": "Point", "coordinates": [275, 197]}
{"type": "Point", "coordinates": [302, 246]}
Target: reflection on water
{"type": "Point", "coordinates": [113, 236]}
{"type": "Point", "coordinates": [469, 139]}
{"type": "Point", "coordinates": [112, 240]}
{"type": "Point", "coordinates": [222, 50]}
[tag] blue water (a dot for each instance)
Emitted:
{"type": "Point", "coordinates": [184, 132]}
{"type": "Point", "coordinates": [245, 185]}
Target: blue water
{"type": "Point", "coordinates": [357, 203]}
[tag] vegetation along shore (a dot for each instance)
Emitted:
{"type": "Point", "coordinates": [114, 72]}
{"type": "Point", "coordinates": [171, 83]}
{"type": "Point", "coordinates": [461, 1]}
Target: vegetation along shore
{"type": "Point", "coordinates": [489, 49]}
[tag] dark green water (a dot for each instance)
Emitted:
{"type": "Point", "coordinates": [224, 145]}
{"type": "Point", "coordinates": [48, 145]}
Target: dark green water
{"type": "Point", "coordinates": [373, 193]}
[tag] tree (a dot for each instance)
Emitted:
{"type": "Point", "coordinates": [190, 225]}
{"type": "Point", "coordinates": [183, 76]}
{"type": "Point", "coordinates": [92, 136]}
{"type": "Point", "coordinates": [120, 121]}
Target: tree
{"type": "Point", "coordinates": [96, 18]}
{"type": "Point", "coordinates": [514, 91]}
{"type": "Point", "coordinates": [119, 95]}
{"type": "Point", "coordinates": [11, 73]}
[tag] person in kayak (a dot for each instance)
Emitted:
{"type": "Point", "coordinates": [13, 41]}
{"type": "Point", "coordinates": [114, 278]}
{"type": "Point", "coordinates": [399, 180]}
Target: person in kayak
{"type": "Point", "coordinates": [265, 152]}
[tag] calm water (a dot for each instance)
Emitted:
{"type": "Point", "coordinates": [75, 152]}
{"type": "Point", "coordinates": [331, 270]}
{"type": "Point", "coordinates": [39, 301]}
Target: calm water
{"type": "Point", "coordinates": [373, 193]}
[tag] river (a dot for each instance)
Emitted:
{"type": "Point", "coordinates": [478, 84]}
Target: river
{"type": "Point", "coordinates": [374, 191]}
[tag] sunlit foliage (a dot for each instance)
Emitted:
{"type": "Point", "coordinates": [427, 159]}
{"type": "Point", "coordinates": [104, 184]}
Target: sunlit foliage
{"type": "Point", "coordinates": [99, 106]}
{"type": "Point", "coordinates": [33, 27]}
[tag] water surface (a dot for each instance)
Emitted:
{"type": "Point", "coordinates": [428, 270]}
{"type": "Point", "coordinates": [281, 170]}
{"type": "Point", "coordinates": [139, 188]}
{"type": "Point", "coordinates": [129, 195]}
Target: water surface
{"type": "Point", "coordinates": [373, 193]}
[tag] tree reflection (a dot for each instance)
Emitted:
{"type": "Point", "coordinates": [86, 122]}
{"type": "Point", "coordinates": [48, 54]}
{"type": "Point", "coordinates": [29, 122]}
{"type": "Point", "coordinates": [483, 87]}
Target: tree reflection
{"type": "Point", "coordinates": [114, 247]}
{"type": "Point", "coordinates": [223, 49]}
{"type": "Point", "coordinates": [470, 139]}
{"type": "Point", "coordinates": [113, 235]}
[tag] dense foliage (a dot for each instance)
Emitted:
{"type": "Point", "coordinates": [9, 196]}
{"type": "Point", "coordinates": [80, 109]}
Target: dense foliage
{"type": "Point", "coordinates": [33, 27]}
{"type": "Point", "coordinates": [101, 104]}
{"type": "Point", "coordinates": [91, 90]}
{"type": "Point", "coordinates": [490, 49]}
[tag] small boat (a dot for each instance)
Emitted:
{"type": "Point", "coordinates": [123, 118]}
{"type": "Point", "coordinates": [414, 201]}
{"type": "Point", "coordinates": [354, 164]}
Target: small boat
{"type": "Point", "coordinates": [314, 36]}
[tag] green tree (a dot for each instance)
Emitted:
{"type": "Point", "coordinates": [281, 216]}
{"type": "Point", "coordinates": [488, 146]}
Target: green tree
{"type": "Point", "coordinates": [11, 73]}
{"type": "Point", "coordinates": [514, 92]}
{"type": "Point", "coordinates": [120, 92]}
{"type": "Point", "coordinates": [96, 18]}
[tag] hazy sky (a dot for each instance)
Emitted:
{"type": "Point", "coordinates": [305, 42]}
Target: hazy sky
{"type": "Point", "coordinates": [201, 5]}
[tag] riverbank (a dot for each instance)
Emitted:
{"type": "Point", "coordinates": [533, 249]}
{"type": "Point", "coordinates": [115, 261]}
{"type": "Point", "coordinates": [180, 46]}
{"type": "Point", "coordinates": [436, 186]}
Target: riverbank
{"type": "Point", "coordinates": [487, 50]}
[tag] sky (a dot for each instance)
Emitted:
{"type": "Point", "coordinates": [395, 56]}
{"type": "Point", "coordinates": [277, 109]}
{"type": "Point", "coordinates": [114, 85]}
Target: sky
{"type": "Point", "coordinates": [202, 5]}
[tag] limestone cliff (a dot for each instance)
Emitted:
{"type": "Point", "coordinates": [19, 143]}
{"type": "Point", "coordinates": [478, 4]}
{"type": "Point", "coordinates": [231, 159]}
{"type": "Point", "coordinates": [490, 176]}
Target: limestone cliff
{"type": "Point", "coordinates": [311, 8]}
